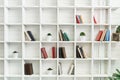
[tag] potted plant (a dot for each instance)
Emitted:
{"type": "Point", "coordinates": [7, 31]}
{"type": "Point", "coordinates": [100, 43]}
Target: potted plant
{"type": "Point", "coordinates": [115, 76]}
{"type": "Point", "coordinates": [50, 70]}
{"type": "Point", "coordinates": [49, 37]}
{"type": "Point", "coordinates": [82, 36]}
{"type": "Point", "coordinates": [15, 54]}
{"type": "Point", "coordinates": [116, 36]}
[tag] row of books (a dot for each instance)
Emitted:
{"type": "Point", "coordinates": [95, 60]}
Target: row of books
{"type": "Point", "coordinates": [63, 36]}
{"type": "Point", "coordinates": [79, 19]}
{"type": "Point", "coordinates": [45, 55]}
{"type": "Point", "coordinates": [29, 36]}
{"type": "Point", "coordinates": [62, 52]}
{"type": "Point", "coordinates": [80, 52]}
{"type": "Point", "coordinates": [103, 35]}
{"type": "Point", "coordinates": [70, 71]}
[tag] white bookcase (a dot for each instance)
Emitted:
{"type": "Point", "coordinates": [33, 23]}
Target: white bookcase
{"type": "Point", "coordinates": [43, 16]}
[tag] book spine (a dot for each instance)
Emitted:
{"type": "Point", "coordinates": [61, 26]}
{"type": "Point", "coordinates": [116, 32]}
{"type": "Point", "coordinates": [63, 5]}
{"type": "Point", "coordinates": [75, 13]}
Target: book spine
{"type": "Point", "coordinates": [31, 36]}
{"type": "Point", "coordinates": [66, 36]}
{"type": "Point", "coordinates": [71, 69]}
{"type": "Point", "coordinates": [81, 50]}
{"type": "Point", "coordinates": [44, 53]}
{"type": "Point", "coordinates": [81, 19]}
{"type": "Point", "coordinates": [63, 52]}
{"type": "Point", "coordinates": [77, 19]}
{"type": "Point", "coordinates": [94, 19]}
{"type": "Point", "coordinates": [99, 35]}
{"type": "Point", "coordinates": [80, 53]}
{"type": "Point", "coordinates": [28, 69]}
{"type": "Point", "coordinates": [103, 35]}
{"type": "Point", "coordinates": [54, 55]}
{"type": "Point", "coordinates": [77, 52]}
{"type": "Point", "coordinates": [60, 52]}
{"type": "Point", "coordinates": [27, 37]}
{"type": "Point", "coordinates": [62, 34]}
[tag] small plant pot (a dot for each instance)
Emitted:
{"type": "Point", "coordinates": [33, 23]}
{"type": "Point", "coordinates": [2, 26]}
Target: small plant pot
{"type": "Point", "coordinates": [49, 38]}
{"type": "Point", "coordinates": [82, 38]}
{"type": "Point", "coordinates": [15, 54]}
{"type": "Point", "coordinates": [50, 72]}
{"type": "Point", "coordinates": [116, 36]}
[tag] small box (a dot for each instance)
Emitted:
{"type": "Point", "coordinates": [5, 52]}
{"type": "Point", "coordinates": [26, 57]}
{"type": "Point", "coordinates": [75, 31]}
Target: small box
{"type": "Point", "coordinates": [116, 36]}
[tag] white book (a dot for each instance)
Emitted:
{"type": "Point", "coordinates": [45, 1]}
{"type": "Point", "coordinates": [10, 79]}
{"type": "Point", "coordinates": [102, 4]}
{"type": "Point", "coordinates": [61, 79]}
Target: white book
{"type": "Point", "coordinates": [27, 37]}
{"type": "Point", "coordinates": [71, 69]}
{"type": "Point", "coordinates": [59, 68]}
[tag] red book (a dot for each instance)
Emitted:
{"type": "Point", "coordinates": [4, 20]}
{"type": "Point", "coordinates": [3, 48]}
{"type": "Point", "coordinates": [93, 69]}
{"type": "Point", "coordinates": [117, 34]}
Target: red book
{"type": "Point", "coordinates": [94, 20]}
{"type": "Point", "coordinates": [54, 52]}
{"type": "Point", "coordinates": [77, 19]}
{"type": "Point", "coordinates": [99, 35]}
{"type": "Point", "coordinates": [44, 53]}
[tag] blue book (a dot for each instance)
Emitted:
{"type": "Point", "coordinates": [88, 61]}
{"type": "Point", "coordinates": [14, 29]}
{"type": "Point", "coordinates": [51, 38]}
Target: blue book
{"type": "Point", "coordinates": [107, 36]}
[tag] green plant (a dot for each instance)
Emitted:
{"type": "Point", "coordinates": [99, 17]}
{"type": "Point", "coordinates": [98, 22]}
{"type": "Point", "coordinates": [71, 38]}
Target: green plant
{"type": "Point", "coordinates": [115, 76]}
{"type": "Point", "coordinates": [49, 69]}
{"type": "Point", "coordinates": [82, 34]}
{"type": "Point", "coordinates": [49, 34]}
{"type": "Point", "coordinates": [118, 29]}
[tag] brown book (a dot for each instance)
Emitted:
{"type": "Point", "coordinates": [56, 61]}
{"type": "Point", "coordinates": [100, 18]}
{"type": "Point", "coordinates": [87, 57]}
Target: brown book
{"type": "Point", "coordinates": [103, 35]}
{"type": "Point", "coordinates": [63, 52]}
{"type": "Point", "coordinates": [28, 69]}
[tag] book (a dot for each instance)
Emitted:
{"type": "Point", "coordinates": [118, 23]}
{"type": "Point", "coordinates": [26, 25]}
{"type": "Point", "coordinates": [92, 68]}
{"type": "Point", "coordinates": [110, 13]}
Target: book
{"type": "Point", "coordinates": [44, 53]}
{"type": "Point", "coordinates": [60, 68]}
{"type": "Point", "coordinates": [82, 52]}
{"type": "Point", "coordinates": [94, 19]}
{"type": "Point", "coordinates": [66, 36]}
{"type": "Point", "coordinates": [60, 52]}
{"type": "Point", "coordinates": [81, 19]}
{"type": "Point", "coordinates": [77, 52]}
{"type": "Point", "coordinates": [99, 35]}
{"type": "Point", "coordinates": [54, 55]}
{"type": "Point", "coordinates": [103, 35]}
{"type": "Point", "coordinates": [31, 35]}
{"type": "Point", "coordinates": [27, 37]}
{"type": "Point", "coordinates": [28, 69]}
{"type": "Point", "coordinates": [71, 69]}
{"type": "Point", "coordinates": [107, 36]}
{"type": "Point", "coordinates": [63, 52]}
{"type": "Point", "coordinates": [77, 19]}
{"type": "Point", "coordinates": [62, 36]}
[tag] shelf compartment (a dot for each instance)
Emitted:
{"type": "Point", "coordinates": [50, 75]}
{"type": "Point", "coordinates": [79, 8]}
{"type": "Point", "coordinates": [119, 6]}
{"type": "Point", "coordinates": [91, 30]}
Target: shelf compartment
{"type": "Point", "coordinates": [45, 3]}
{"type": "Point", "coordinates": [31, 3]}
{"type": "Point", "coordinates": [2, 15]}
{"type": "Point", "coordinates": [86, 30]}
{"type": "Point", "coordinates": [49, 16]}
{"type": "Point", "coordinates": [100, 67]}
{"type": "Point", "coordinates": [83, 71]}
{"type": "Point", "coordinates": [49, 29]}
{"type": "Point", "coordinates": [101, 16]}
{"type": "Point", "coordinates": [69, 49]}
{"type": "Point", "coordinates": [97, 28]}
{"type": "Point", "coordinates": [48, 48]}
{"type": "Point", "coordinates": [115, 50]}
{"type": "Point", "coordinates": [66, 78]}
{"type": "Point", "coordinates": [31, 15]}
{"type": "Point", "coordinates": [101, 50]}
{"type": "Point", "coordinates": [36, 66]}
{"type": "Point", "coordinates": [69, 30]}
{"type": "Point", "coordinates": [66, 16]}
{"type": "Point", "coordinates": [65, 2]}
{"type": "Point", "coordinates": [32, 50]}
{"type": "Point", "coordinates": [1, 33]}
{"type": "Point", "coordinates": [83, 78]}
{"type": "Point", "coordinates": [52, 64]}
{"type": "Point", "coordinates": [35, 31]}
{"type": "Point", "coordinates": [11, 47]}
{"type": "Point", "coordinates": [114, 66]}
{"type": "Point", "coordinates": [115, 16]}
{"type": "Point", "coordinates": [66, 64]}
{"type": "Point", "coordinates": [2, 67]}
{"type": "Point", "coordinates": [101, 3]}
{"type": "Point", "coordinates": [15, 68]}
{"type": "Point", "coordinates": [87, 47]}
{"type": "Point", "coordinates": [14, 2]}
{"type": "Point", "coordinates": [85, 17]}
{"type": "Point", "coordinates": [83, 3]}
{"type": "Point", "coordinates": [12, 33]}
{"type": "Point", "coordinates": [1, 50]}
{"type": "Point", "coordinates": [14, 16]}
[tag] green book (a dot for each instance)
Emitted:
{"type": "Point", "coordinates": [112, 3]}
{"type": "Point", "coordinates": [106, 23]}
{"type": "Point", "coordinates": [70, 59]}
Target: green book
{"type": "Point", "coordinates": [66, 36]}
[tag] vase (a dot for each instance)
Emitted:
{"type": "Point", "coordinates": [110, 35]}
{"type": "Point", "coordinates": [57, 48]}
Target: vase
{"type": "Point", "coordinates": [82, 38]}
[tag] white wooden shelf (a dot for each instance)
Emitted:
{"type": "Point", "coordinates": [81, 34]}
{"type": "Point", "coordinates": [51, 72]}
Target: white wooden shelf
{"type": "Point", "coordinates": [49, 16]}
